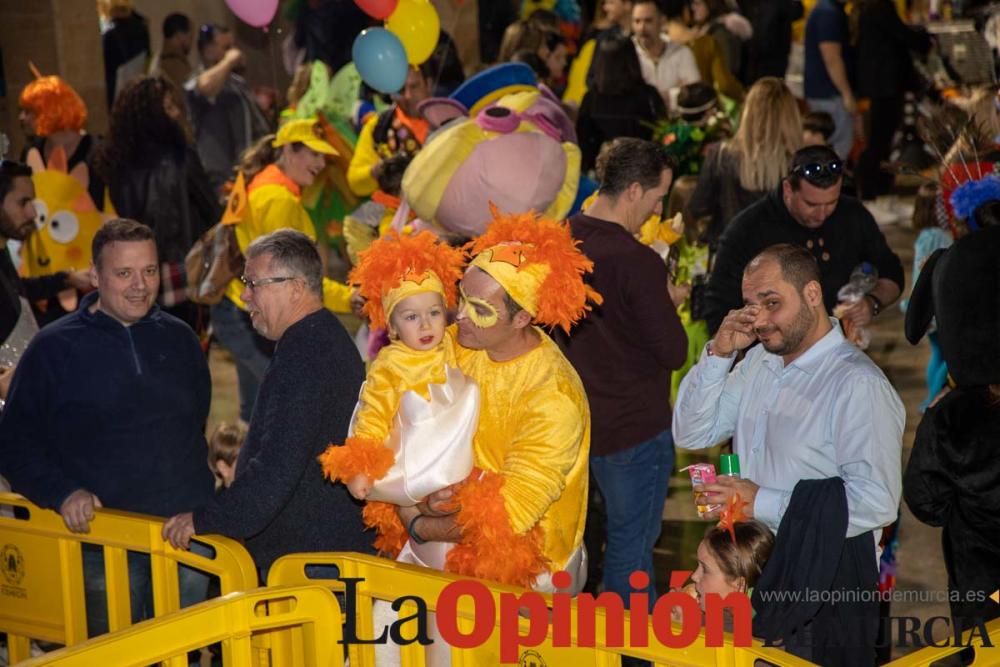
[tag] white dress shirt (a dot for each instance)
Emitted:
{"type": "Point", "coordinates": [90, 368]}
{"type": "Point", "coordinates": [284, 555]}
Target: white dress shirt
{"type": "Point", "coordinates": [830, 413]}
{"type": "Point", "coordinates": [674, 68]}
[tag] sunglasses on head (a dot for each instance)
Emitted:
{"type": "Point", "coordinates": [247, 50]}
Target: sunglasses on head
{"type": "Point", "coordinates": [815, 170]}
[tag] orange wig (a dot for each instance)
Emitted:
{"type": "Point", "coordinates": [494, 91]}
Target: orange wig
{"type": "Point", "coordinates": [395, 258]}
{"type": "Point", "coordinates": [56, 106]}
{"type": "Point", "coordinates": [561, 298]}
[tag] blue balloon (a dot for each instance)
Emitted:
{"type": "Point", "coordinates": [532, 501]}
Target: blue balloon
{"type": "Point", "coordinates": [381, 59]}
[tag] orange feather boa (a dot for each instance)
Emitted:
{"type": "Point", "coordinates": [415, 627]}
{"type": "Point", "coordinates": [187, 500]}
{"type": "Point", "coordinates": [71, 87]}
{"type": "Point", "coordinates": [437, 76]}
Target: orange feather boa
{"type": "Point", "coordinates": [490, 549]}
{"type": "Point", "coordinates": [358, 456]}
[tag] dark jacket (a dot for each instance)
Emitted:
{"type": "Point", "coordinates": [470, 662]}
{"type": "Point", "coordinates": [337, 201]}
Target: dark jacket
{"type": "Point", "coordinates": [768, 49]}
{"type": "Point", "coordinates": [605, 117]}
{"type": "Point", "coordinates": [884, 46]}
{"type": "Point", "coordinates": [953, 480]}
{"type": "Point", "coordinates": [119, 411]}
{"type": "Point", "coordinates": [172, 195]}
{"type": "Point", "coordinates": [279, 502]}
{"type": "Point", "coordinates": [626, 348]}
{"type": "Point", "coordinates": [13, 286]}
{"type": "Point", "coordinates": [812, 556]}
{"type": "Point", "coordinates": [127, 39]}
{"type": "Point", "coordinates": [849, 237]}
{"type": "Point", "coordinates": [719, 194]}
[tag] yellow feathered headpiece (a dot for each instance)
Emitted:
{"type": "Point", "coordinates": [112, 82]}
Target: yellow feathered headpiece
{"type": "Point", "coordinates": [397, 266]}
{"type": "Point", "coordinates": [537, 262]}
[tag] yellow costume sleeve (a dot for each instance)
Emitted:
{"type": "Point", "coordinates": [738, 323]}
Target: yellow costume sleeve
{"type": "Point", "coordinates": [359, 174]}
{"type": "Point", "coordinates": [576, 83]}
{"type": "Point", "coordinates": [336, 296]}
{"type": "Point", "coordinates": [536, 465]}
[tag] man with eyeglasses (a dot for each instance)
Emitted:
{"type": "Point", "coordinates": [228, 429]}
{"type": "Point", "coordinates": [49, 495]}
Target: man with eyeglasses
{"type": "Point", "coordinates": [807, 209]}
{"type": "Point", "coordinates": [279, 502]}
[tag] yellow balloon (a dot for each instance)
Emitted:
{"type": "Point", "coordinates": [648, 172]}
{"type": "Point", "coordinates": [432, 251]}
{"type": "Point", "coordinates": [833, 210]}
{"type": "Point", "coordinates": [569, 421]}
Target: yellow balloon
{"type": "Point", "coordinates": [417, 25]}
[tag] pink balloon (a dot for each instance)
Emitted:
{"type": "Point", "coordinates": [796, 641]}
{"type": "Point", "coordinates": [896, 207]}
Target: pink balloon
{"type": "Point", "coordinates": [377, 9]}
{"type": "Point", "coordinates": [257, 13]}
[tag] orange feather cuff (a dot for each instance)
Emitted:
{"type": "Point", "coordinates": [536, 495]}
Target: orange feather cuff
{"type": "Point", "coordinates": [490, 549]}
{"type": "Point", "coordinates": [391, 533]}
{"type": "Point", "coordinates": [357, 456]}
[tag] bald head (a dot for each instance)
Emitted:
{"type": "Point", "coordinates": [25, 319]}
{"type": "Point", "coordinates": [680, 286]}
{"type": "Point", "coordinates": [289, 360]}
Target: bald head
{"type": "Point", "coordinates": [798, 266]}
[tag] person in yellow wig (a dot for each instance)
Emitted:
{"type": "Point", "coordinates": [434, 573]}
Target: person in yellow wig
{"type": "Point", "coordinates": [519, 517]}
{"type": "Point", "coordinates": [277, 168]}
{"type": "Point", "coordinates": [412, 430]}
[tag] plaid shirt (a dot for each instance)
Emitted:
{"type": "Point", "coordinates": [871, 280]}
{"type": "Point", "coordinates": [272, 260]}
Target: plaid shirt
{"type": "Point", "coordinates": [173, 284]}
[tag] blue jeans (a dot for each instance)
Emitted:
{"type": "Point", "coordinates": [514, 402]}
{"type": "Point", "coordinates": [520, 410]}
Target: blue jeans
{"type": "Point", "coordinates": [842, 139]}
{"type": "Point", "coordinates": [251, 351]}
{"type": "Point", "coordinates": [634, 485]}
{"type": "Point", "coordinates": [193, 586]}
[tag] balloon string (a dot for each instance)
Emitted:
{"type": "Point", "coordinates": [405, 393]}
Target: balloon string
{"type": "Point", "coordinates": [452, 45]}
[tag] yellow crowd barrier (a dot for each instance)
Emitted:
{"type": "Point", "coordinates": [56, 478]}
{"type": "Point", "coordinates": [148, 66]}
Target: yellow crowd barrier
{"type": "Point", "coordinates": [41, 572]}
{"type": "Point", "coordinates": [984, 655]}
{"type": "Point", "coordinates": [387, 581]}
{"type": "Point", "coordinates": [309, 613]}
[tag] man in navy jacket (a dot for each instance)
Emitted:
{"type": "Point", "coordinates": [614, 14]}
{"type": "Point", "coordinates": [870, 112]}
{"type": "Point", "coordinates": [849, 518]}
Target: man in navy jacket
{"type": "Point", "coordinates": [107, 407]}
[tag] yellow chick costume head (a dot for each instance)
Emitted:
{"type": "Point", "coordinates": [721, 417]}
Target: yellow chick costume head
{"type": "Point", "coordinates": [538, 264]}
{"type": "Point", "coordinates": [398, 266]}
{"type": "Point", "coordinates": [67, 217]}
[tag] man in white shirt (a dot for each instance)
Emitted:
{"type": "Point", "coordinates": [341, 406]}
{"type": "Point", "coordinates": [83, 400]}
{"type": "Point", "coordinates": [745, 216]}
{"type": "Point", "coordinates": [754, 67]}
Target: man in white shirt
{"type": "Point", "coordinates": [665, 65]}
{"type": "Point", "coordinates": [804, 404]}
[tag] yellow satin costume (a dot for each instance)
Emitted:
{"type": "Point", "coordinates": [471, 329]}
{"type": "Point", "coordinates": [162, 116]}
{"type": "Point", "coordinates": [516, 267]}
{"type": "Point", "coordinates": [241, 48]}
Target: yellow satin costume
{"type": "Point", "coordinates": [423, 409]}
{"type": "Point", "coordinates": [534, 430]}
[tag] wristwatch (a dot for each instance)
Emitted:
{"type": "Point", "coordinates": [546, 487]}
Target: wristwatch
{"type": "Point", "coordinates": [712, 353]}
{"type": "Point", "coordinates": [876, 304]}
{"type": "Point", "coordinates": [413, 534]}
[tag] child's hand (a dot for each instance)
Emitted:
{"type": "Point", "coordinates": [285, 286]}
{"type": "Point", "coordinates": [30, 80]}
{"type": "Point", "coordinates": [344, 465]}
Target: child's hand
{"type": "Point", "coordinates": [359, 486]}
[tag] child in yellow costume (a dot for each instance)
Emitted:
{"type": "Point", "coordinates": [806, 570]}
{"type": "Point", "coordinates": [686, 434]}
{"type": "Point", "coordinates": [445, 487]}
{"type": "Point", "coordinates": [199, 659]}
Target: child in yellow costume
{"type": "Point", "coordinates": [411, 433]}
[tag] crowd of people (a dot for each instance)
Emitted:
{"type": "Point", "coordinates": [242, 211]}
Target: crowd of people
{"type": "Point", "coordinates": [701, 273]}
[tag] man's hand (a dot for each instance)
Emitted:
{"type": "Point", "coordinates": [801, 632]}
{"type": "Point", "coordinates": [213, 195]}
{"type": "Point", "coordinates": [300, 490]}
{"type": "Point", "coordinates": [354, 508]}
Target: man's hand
{"type": "Point", "coordinates": [679, 293]}
{"type": "Point", "coordinates": [78, 510]}
{"type": "Point", "coordinates": [724, 488]}
{"type": "Point", "coordinates": [736, 331]}
{"type": "Point", "coordinates": [233, 58]}
{"type": "Point", "coordinates": [860, 314]}
{"type": "Point", "coordinates": [439, 503]}
{"type": "Point", "coordinates": [850, 103]}
{"type": "Point", "coordinates": [357, 304]}
{"type": "Point", "coordinates": [179, 529]}
{"type": "Point", "coordinates": [79, 280]}
{"type": "Point", "coordinates": [6, 375]}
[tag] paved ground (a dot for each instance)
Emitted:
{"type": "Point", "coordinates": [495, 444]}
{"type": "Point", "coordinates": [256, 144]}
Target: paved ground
{"type": "Point", "coordinates": [920, 564]}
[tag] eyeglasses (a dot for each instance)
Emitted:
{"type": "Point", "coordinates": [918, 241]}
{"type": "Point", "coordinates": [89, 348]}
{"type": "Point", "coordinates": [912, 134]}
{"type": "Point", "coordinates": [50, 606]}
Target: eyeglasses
{"type": "Point", "coordinates": [815, 170]}
{"type": "Point", "coordinates": [260, 282]}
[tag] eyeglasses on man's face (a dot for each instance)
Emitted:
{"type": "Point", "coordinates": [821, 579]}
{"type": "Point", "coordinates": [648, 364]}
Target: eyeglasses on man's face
{"type": "Point", "coordinates": [261, 282]}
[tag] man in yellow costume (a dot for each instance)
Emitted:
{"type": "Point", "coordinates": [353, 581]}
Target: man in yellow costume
{"type": "Point", "coordinates": [520, 515]}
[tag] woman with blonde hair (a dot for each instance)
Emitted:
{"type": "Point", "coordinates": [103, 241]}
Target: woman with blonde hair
{"type": "Point", "coordinates": [739, 171]}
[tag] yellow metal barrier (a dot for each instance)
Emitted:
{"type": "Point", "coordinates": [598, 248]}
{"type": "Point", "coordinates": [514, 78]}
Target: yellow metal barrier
{"type": "Point", "coordinates": [41, 572]}
{"type": "Point", "coordinates": [235, 620]}
{"type": "Point", "coordinates": [387, 580]}
{"type": "Point", "coordinates": [985, 655]}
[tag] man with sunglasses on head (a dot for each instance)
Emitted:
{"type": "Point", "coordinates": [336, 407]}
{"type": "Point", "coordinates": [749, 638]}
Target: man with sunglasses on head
{"type": "Point", "coordinates": [807, 209]}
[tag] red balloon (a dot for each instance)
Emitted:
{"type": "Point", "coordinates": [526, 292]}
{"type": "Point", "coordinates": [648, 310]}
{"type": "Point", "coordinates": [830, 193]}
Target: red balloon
{"type": "Point", "coordinates": [378, 9]}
